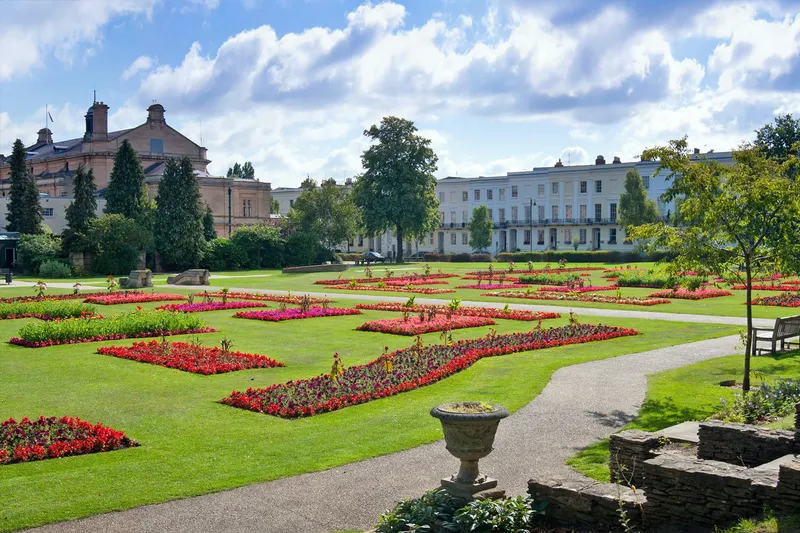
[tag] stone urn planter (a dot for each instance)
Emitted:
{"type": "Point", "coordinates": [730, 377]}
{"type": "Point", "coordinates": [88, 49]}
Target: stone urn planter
{"type": "Point", "coordinates": [469, 430]}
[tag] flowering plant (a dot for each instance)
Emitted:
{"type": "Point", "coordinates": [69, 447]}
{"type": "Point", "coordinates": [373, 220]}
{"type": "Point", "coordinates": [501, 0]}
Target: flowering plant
{"type": "Point", "coordinates": [379, 288]}
{"type": "Point", "coordinates": [416, 279]}
{"type": "Point", "coordinates": [487, 312]}
{"type": "Point", "coordinates": [783, 287]}
{"type": "Point", "coordinates": [51, 297]}
{"type": "Point", "coordinates": [46, 310]}
{"type": "Point", "coordinates": [571, 288]}
{"type": "Point", "coordinates": [418, 326]}
{"type": "Point", "coordinates": [259, 296]}
{"type": "Point", "coordinates": [507, 279]}
{"type": "Point", "coordinates": [488, 286]}
{"type": "Point", "coordinates": [683, 294]}
{"type": "Point", "coordinates": [278, 315]}
{"type": "Point", "coordinates": [132, 297]}
{"type": "Point", "coordinates": [573, 297]}
{"type": "Point", "coordinates": [782, 300]}
{"type": "Point", "coordinates": [550, 279]}
{"type": "Point", "coordinates": [490, 272]}
{"type": "Point", "coordinates": [212, 306]}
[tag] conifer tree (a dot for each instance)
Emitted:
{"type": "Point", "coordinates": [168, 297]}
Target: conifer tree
{"type": "Point", "coordinates": [24, 212]}
{"type": "Point", "coordinates": [81, 211]}
{"type": "Point", "coordinates": [127, 194]}
{"type": "Point", "coordinates": [179, 219]}
{"type": "Point", "coordinates": [208, 225]}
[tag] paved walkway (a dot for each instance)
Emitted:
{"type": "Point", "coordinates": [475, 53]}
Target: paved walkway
{"type": "Point", "coordinates": [581, 404]}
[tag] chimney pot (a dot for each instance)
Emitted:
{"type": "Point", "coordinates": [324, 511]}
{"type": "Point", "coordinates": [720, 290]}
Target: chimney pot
{"type": "Point", "coordinates": [45, 136]}
{"type": "Point", "coordinates": [600, 160]}
{"type": "Point", "coordinates": [616, 160]}
{"type": "Point", "coordinates": [696, 151]}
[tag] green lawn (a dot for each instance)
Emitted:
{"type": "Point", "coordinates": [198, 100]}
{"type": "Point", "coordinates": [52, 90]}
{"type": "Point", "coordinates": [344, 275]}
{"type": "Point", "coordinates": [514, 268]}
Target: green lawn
{"type": "Point", "coordinates": [191, 445]}
{"type": "Point", "coordinates": [688, 393]}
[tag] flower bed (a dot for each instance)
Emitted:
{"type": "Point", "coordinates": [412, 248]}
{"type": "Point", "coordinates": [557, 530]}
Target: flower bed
{"type": "Point", "coordinates": [50, 297]}
{"type": "Point", "coordinates": [488, 312]}
{"type": "Point", "coordinates": [421, 281]}
{"type": "Point", "coordinates": [210, 306]}
{"type": "Point", "coordinates": [784, 287]}
{"type": "Point", "coordinates": [279, 315]}
{"type": "Point", "coordinates": [133, 297]}
{"type": "Point", "coordinates": [415, 290]}
{"type": "Point", "coordinates": [415, 325]}
{"type": "Point", "coordinates": [534, 271]}
{"type": "Point", "coordinates": [683, 294]}
{"type": "Point", "coordinates": [648, 280]}
{"type": "Point", "coordinates": [578, 288]}
{"type": "Point", "coordinates": [134, 324]}
{"type": "Point", "coordinates": [782, 300]}
{"type": "Point", "coordinates": [408, 369]}
{"type": "Point", "coordinates": [571, 297]}
{"type": "Point", "coordinates": [507, 279]}
{"type": "Point", "coordinates": [491, 286]}
{"type": "Point", "coordinates": [48, 438]}
{"type": "Point", "coordinates": [189, 357]}
{"type": "Point", "coordinates": [260, 296]}
{"type": "Point", "coordinates": [550, 279]}
{"type": "Point", "coordinates": [46, 310]}
{"type": "Point", "coordinates": [413, 278]}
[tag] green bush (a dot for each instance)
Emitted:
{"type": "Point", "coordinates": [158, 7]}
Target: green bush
{"type": "Point", "coordinates": [350, 257]}
{"type": "Point", "coordinates": [262, 245]}
{"type": "Point", "coordinates": [302, 249]}
{"type": "Point", "coordinates": [647, 279]}
{"type": "Point", "coordinates": [222, 254]}
{"type": "Point", "coordinates": [437, 258]}
{"type": "Point", "coordinates": [770, 401]}
{"type": "Point", "coordinates": [33, 250]}
{"type": "Point", "coordinates": [549, 279]}
{"type": "Point", "coordinates": [46, 309]}
{"type": "Point", "coordinates": [118, 243]}
{"type": "Point", "coordinates": [424, 514]}
{"type": "Point", "coordinates": [597, 256]}
{"type": "Point", "coordinates": [53, 268]}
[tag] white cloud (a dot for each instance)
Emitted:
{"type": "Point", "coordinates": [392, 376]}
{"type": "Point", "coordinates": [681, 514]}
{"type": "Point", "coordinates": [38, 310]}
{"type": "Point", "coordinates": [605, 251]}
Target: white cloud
{"type": "Point", "coordinates": [139, 64]}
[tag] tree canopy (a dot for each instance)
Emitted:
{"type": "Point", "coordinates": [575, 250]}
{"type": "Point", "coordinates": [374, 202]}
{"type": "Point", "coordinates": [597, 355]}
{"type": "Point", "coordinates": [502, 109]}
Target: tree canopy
{"type": "Point", "coordinates": [635, 208]}
{"type": "Point", "coordinates": [245, 171]}
{"type": "Point", "coordinates": [308, 183]}
{"type": "Point", "coordinates": [127, 193]}
{"type": "Point", "coordinates": [24, 212]}
{"type": "Point", "coordinates": [740, 220]}
{"type": "Point", "coordinates": [274, 206]}
{"type": "Point", "coordinates": [118, 242]}
{"type": "Point", "coordinates": [779, 139]}
{"type": "Point", "coordinates": [397, 189]}
{"type": "Point", "coordinates": [480, 229]}
{"type": "Point", "coordinates": [81, 211]}
{"type": "Point", "coordinates": [327, 212]}
{"type": "Point", "coordinates": [208, 225]}
{"type": "Point", "coordinates": [178, 231]}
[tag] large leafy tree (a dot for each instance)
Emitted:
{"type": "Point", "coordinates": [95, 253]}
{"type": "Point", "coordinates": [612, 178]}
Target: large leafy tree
{"type": "Point", "coordinates": [480, 229]}
{"type": "Point", "coordinates": [24, 212]}
{"type": "Point", "coordinates": [635, 208]}
{"type": "Point", "coordinates": [327, 212]}
{"type": "Point", "coordinates": [81, 211]}
{"type": "Point", "coordinates": [740, 220]}
{"type": "Point", "coordinates": [118, 242]}
{"type": "Point", "coordinates": [779, 139]}
{"type": "Point", "coordinates": [308, 183]}
{"type": "Point", "coordinates": [127, 193]}
{"type": "Point", "coordinates": [397, 189]}
{"type": "Point", "coordinates": [178, 234]}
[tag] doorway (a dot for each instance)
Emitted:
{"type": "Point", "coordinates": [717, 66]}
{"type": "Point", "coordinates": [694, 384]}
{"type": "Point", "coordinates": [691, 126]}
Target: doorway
{"type": "Point", "coordinates": [441, 242]}
{"type": "Point", "coordinates": [595, 238]}
{"type": "Point", "coordinates": [553, 239]}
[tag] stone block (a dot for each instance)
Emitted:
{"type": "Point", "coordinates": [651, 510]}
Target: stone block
{"type": "Point", "coordinates": [137, 279]}
{"type": "Point", "coordinates": [193, 276]}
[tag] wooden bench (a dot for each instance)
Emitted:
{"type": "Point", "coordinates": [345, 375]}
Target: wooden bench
{"type": "Point", "coordinates": [784, 329]}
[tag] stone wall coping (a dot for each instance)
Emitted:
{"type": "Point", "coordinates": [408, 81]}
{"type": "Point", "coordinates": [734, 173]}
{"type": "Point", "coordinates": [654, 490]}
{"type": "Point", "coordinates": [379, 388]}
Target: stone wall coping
{"type": "Point", "coordinates": [636, 435]}
{"type": "Point", "coordinates": [691, 466]}
{"type": "Point", "coordinates": [747, 428]}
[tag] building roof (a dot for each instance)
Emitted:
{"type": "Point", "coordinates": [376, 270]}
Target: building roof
{"type": "Point", "coordinates": [40, 151]}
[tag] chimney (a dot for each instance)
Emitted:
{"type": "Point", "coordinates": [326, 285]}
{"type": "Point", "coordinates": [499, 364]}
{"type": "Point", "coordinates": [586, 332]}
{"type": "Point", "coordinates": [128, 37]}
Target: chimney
{"type": "Point", "coordinates": [45, 136]}
{"type": "Point", "coordinates": [600, 160]}
{"type": "Point", "coordinates": [616, 160]}
{"type": "Point", "coordinates": [559, 164]}
{"type": "Point", "coordinates": [348, 181]}
{"type": "Point", "coordinates": [155, 114]}
{"type": "Point", "coordinates": [203, 153]}
{"type": "Point", "coordinates": [696, 151]}
{"type": "Point", "coordinates": [97, 122]}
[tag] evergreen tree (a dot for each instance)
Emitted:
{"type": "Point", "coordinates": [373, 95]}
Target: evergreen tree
{"type": "Point", "coordinates": [81, 211]}
{"type": "Point", "coordinates": [179, 220]}
{"type": "Point", "coordinates": [235, 171]}
{"type": "Point", "coordinates": [208, 225]}
{"type": "Point", "coordinates": [480, 229]}
{"type": "Point", "coordinates": [248, 172]}
{"type": "Point", "coordinates": [24, 212]}
{"type": "Point", "coordinates": [127, 194]}
{"type": "Point", "coordinates": [635, 208]}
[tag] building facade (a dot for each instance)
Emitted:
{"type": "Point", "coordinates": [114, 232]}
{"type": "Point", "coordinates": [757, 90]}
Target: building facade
{"type": "Point", "coordinates": [234, 202]}
{"type": "Point", "coordinates": [54, 211]}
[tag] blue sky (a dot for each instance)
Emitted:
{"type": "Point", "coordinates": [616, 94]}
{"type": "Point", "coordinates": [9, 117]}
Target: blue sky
{"type": "Point", "coordinates": [498, 85]}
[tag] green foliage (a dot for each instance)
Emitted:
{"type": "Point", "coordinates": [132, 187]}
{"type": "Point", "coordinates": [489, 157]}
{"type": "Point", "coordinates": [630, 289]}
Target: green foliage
{"type": "Point", "coordinates": [33, 250]}
{"type": "Point", "coordinates": [54, 269]}
{"type": "Point", "coordinates": [778, 140]}
{"type": "Point", "coordinates": [768, 402]}
{"type": "Point", "coordinates": [328, 212]}
{"type": "Point", "coordinates": [397, 189]}
{"type": "Point", "coordinates": [126, 194]}
{"type": "Point", "coordinates": [262, 245]}
{"type": "Point", "coordinates": [480, 229]}
{"type": "Point", "coordinates": [550, 279]}
{"type": "Point", "coordinates": [308, 184]}
{"type": "Point", "coordinates": [222, 254]}
{"type": "Point", "coordinates": [635, 208]}
{"type": "Point", "coordinates": [274, 206]}
{"type": "Point", "coordinates": [301, 249]}
{"type": "Point", "coordinates": [208, 225]}
{"type": "Point", "coordinates": [47, 308]}
{"type": "Point", "coordinates": [24, 212]}
{"type": "Point", "coordinates": [584, 256]}
{"type": "Point", "coordinates": [178, 234]}
{"type": "Point", "coordinates": [245, 171]}
{"type": "Point", "coordinates": [637, 278]}
{"type": "Point", "coordinates": [423, 514]}
{"type": "Point", "coordinates": [118, 242]}
{"type": "Point", "coordinates": [80, 211]}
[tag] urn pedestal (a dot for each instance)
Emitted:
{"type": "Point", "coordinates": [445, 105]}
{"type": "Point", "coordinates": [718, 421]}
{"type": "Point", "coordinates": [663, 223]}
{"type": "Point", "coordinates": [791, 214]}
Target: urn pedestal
{"type": "Point", "coordinates": [469, 430]}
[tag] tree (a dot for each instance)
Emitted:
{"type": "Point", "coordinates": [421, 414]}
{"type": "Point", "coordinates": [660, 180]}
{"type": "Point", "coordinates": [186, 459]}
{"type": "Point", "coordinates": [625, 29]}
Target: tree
{"type": "Point", "coordinates": [397, 189]}
{"type": "Point", "coordinates": [262, 245]}
{"type": "Point", "coordinates": [245, 171]}
{"type": "Point", "coordinates": [740, 220]}
{"type": "Point", "coordinates": [118, 242]}
{"type": "Point", "coordinates": [81, 211]}
{"type": "Point", "coordinates": [24, 212]}
{"type": "Point", "coordinates": [327, 212]}
{"type": "Point", "coordinates": [208, 225]}
{"type": "Point", "coordinates": [308, 184]}
{"type": "Point", "coordinates": [178, 230]}
{"type": "Point", "coordinates": [274, 206]}
{"type": "Point", "coordinates": [778, 140]}
{"type": "Point", "coordinates": [127, 193]}
{"type": "Point", "coordinates": [235, 171]}
{"type": "Point", "coordinates": [635, 208]}
{"type": "Point", "coordinates": [480, 229]}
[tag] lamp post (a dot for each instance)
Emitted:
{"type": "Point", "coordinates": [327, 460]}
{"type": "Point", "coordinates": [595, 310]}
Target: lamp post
{"type": "Point", "coordinates": [530, 221]}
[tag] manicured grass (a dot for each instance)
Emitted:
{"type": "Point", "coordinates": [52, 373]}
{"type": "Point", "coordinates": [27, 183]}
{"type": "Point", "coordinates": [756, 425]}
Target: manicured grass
{"type": "Point", "coordinates": [191, 444]}
{"type": "Point", "coordinates": [688, 393]}
{"type": "Point", "coordinates": [769, 524]}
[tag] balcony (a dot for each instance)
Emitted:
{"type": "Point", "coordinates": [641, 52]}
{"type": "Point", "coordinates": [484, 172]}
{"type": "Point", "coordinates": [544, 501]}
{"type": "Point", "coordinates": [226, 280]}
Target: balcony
{"type": "Point", "coordinates": [559, 222]}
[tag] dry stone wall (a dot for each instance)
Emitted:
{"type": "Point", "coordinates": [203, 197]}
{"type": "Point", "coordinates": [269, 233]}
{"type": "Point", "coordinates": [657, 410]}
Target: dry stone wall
{"type": "Point", "coordinates": [743, 444]}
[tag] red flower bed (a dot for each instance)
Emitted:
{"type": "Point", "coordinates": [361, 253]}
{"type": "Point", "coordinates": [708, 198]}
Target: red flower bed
{"type": "Point", "coordinates": [69, 296]}
{"type": "Point", "coordinates": [507, 279]}
{"type": "Point", "coordinates": [407, 369]}
{"type": "Point", "coordinates": [279, 315]}
{"type": "Point", "coordinates": [683, 294]}
{"type": "Point", "coordinates": [569, 297]}
{"type": "Point", "coordinates": [212, 306]}
{"type": "Point", "coordinates": [403, 282]}
{"type": "Point", "coordinates": [98, 338]}
{"type": "Point", "coordinates": [415, 325]}
{"type": "Point", "coordinates": [490, 286]}
{"type": "Point", "coordinates": [189, 357]}
{"type": "Point", "coordinates": [415, 279]}
{"type": "Point", "coordinates": [415, 290]}
{"type": "Point", "coordinates": [784, 287]}
{"type": "Point", "coordinates": [488, 312]}
{"type": "Point", "coordinates": [260, 296]}
{"type": "Point", "coordinates": [534, 271]}
{"type": "Point", "coordinates": [782, 300]}
{"type": "Point", "coordinates": [135, 297]}
{"type": "Point", "coordinates": [48, 438]}
{"type": "Point", "coordinates": [791, 282]}
{"type": "Point", "coordinates": [564, 288]}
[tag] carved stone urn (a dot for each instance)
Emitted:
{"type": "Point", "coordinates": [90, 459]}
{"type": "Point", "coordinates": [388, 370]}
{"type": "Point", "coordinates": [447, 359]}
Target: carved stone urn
{"type": "Point", "coordinates": [469, 430]}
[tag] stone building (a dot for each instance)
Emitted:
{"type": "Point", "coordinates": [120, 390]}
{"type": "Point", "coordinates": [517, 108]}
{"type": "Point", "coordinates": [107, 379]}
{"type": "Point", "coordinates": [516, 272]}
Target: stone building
{"type": "Point", "coordinates": [234, 201]}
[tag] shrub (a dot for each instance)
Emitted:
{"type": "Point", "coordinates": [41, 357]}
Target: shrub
{"type": "Point", "coordinates": [53, 268]}
{"type": "Point", "coordinates": [350, 257]}
{"type": "Point", "coordinates": [458, 258]}
{"type": "Point", "coordinates": [438, 258]}
{"type": "Point", "coordinates": [549, 279]}
{"type": "Point", "coordinates": [261, 244]}
{"type": "Point", "coordinates": [222, 254]}
{"type": "Point", "coordinates": [597, 256]}
{"type": "Point", "coordinates": [118, 241]}
{"type": "Point", "coordinates": [45, 309]}
{"type": "Point", "coordinates": [419, 514]}
{"type": "Point", "coordinates": [33, 250]}
{"type": "Point", "coordinates": [647, 279]}
{"type": "Point", "coordinates": [768, 402]}
{"type": "Point", "coordinates": [302, 249]}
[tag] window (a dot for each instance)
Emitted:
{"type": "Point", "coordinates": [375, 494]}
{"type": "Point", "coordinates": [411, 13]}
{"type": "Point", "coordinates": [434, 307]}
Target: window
{"type": "Point", "coordinates": [291, 203]}
{"type": "Point", "coordinates": [464, 196]}
{"type": "Point", "coordinates": [501, 213]}
{"type": "Point", "coordinates": [490, 214]}
{"type": "Point", "coordinates": [613, 212]}
{"type": "Point", "coordinates": [554, 212]}
{"type": "Point", "coordinates": [646, 180]}
{"type": "Point", "coordinates": [540, 238]}
{"type": "Point", "coordinates": [568, 214]}
{"type": "Point", "coordinates": [598, 186]}
{"type": "Point", "coordinates": [431, 239]}
{"type": "Point", "coordinates": [528, 214]}
{"type": "Point", "coordinates": [555, 187]}
{"type": "Point", "coordinates": [583, 236]}
{"type": "Point", "coordinates": [502, 194]}
{"type": "Point", "coordinates": [477, 195]}
{"type": "Point", "coordinates": [598, 211]}
{"type": "Point", "coordinates": [247, 210]}
{"type": "Point", "coordinates": [583, 187]}
{"type": "Point", "coordinates": [453, 238]}
{"type": "Point", "coordinates": [582, 212]}
{"type": "Point", "coordinates": [441, 217]}
{"type": "Point", "coordinates": [360, 240]}
{"type": "Point", "coordinates": [612, 236]}
{"type": "Point", "coordinates": [527, 239]}
{"type": "Point", "coordinates": [540, 189]}
{"type": "Point", "coordinates": [47, 212]}
{"type": "Point", "coordinates": [350, 242]}
{"type": "Point", "coordinates": [541, 213]}
{"type": "Point", "coordinates": [441, 197]}
{"type": "Point", "coordinates": [452, 217]}
{"type": "Point", "coordinates": [514, 191]}
{"type": "Point", "coordinates": [514, 213]}
{"type": "Point", "coordinates": [157, 146]}
{"type": "Point", "coordinates": [464, 238]}
{"type": "Point", "coordinates": [489, 194]}
{"type": "Point", "coordinates": [567, 236]}
{"type": "Point", "coordinates": [464, 217]}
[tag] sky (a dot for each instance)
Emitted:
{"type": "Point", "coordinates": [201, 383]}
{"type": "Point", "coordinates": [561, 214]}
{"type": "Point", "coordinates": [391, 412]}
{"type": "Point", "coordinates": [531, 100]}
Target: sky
{"type": "Point", "coordinates": [497, 85]}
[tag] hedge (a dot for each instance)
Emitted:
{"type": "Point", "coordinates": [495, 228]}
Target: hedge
{"type": "Point", "coordinates": [351, 257]}
{"type": "Point", "coordinates": [598, 256]}
{"type": "Point", "coordinates": [457, 258]}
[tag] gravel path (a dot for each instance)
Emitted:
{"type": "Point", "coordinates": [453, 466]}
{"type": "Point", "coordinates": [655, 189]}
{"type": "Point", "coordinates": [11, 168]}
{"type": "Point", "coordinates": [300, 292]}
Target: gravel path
{"type": "Point", "coordinates": [581, 404]}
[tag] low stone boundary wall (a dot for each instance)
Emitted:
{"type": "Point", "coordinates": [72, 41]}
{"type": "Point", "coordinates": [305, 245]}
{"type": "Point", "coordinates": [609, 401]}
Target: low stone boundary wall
{"type": "Point", "coordinates": [333, 267]}
{"type": "Point", "coordinates": [742, 444]}
{"type": "Point", "coordinates": [628, 451]}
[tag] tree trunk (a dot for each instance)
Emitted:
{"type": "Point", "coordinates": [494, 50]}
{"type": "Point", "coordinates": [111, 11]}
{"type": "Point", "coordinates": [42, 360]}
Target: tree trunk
{"type": "Point", "coordinates": [399, 245]}
{"type": "Point", "coordinates": [749, 337]}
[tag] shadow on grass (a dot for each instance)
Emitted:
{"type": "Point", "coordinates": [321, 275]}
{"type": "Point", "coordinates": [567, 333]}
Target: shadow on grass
{"type": "Point", "coordinates": [656, 414]}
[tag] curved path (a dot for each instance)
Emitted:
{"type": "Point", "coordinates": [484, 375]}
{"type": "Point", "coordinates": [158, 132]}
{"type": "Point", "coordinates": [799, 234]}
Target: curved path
{"type": "Point", "coordinates": [581, 404]}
